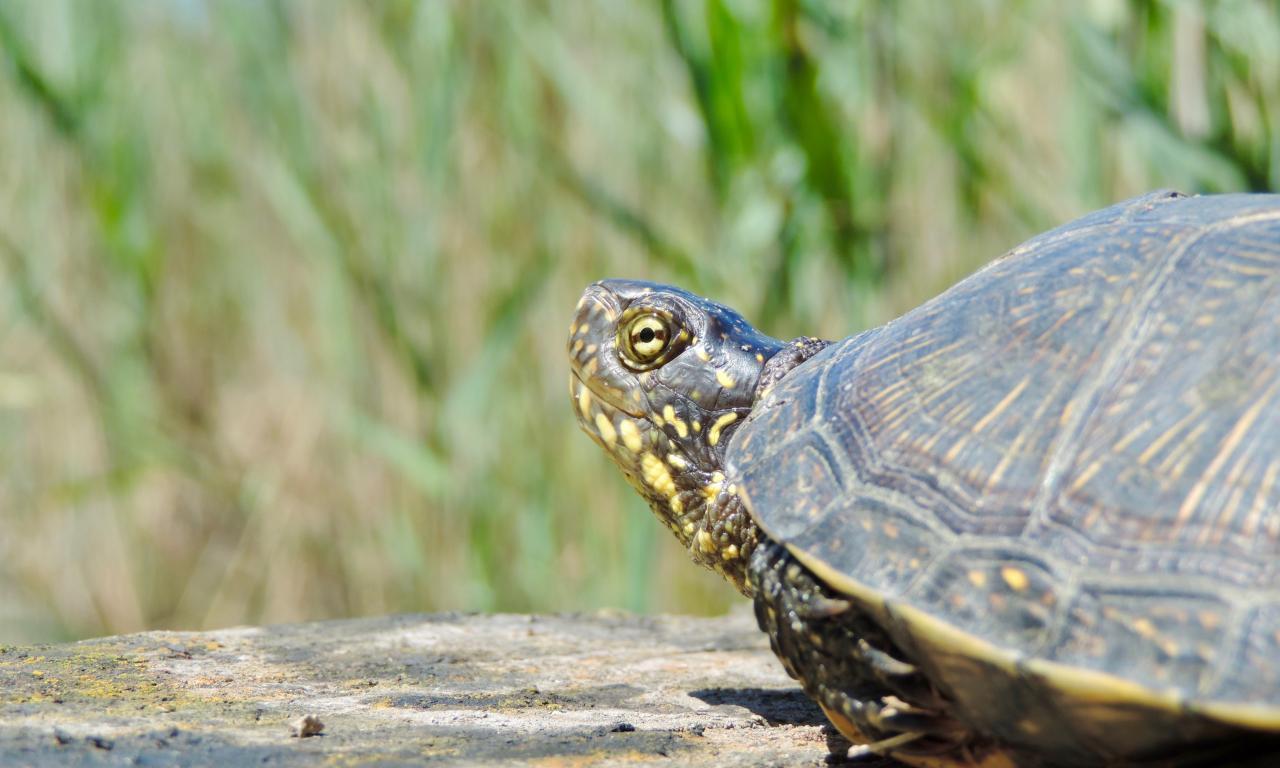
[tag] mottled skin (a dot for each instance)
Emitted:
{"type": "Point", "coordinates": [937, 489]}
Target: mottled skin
{"type": "Point", "coordinates": [1034, 522]}
{"type": "Point", "coordinates": [667, 422]}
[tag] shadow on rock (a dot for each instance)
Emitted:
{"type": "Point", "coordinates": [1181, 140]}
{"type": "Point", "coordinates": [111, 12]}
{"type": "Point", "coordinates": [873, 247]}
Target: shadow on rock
{"type": "Point", "coordinates": [788, 706]}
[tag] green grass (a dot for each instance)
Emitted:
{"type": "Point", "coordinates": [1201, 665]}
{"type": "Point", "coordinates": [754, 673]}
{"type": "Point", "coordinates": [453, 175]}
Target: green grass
{"type": "Point", "coordinates": [284, 285]}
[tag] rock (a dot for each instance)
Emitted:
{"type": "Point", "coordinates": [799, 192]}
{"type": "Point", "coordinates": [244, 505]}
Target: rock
{"type": "Point", "coordinates": [436, 690]}
{"type": "Point", "coordinates": [304, 727]}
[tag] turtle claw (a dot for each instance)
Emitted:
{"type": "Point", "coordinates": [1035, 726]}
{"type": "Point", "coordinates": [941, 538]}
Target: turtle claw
{"type": "Point", "coordinates": [822, 608]}
{"type": "Point", "coordinates": [879, 750]}
{"type": "Point", "coordinates": [894, 720]}
{"type": "Point", "coordinates": [884, 663]}
{"type": "Point", "coordinates": [904, 679]}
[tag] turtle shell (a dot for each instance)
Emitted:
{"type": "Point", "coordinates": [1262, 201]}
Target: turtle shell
{"type": "Point", "coordinates": [1057, 484]}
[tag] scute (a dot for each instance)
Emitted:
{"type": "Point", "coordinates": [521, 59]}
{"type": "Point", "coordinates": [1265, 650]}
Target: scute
{"type": "Point", "coordinates": [1005, 593]}
{"type": "Point", "coordinates": [1254, 671]}
{"type": "Point", "coordinates": [1073, 450]}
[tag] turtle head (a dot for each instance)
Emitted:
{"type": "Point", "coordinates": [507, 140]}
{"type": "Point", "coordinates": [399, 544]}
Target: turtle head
{"type": "Point", "coordinates": [660, 380]}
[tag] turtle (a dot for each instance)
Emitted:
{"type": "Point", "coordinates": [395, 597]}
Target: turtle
{"type": "Point", "coordinates": [1034, 521]}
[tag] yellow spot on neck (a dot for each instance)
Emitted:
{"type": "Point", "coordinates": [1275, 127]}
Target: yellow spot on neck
{"type": "Point", "coordinates": [713, 436]}
{"type": "Point", "coordinates": [677, 461]}
{"type": "Point", "coordinates": [669, 413]}
{"type": "Point", "coordinates": [705, 542]}
{"type": "Point", "coordinates": [712, 489]}
{"type": "Point", "coordinates": [656, 475]}
{"type": "Point", "coordinates": [702, 354]}
{"type": "Point", "coordinates": [724, 379]}
{"type": "Point", "coordinates": [630, 435]}
{"type": "Point", "coordinates": [605, 428]}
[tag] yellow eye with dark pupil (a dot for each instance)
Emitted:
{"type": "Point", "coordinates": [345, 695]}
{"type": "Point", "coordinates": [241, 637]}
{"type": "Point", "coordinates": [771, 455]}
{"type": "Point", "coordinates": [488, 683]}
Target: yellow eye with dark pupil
{"type": "Point", "coordinates": [647, 337]}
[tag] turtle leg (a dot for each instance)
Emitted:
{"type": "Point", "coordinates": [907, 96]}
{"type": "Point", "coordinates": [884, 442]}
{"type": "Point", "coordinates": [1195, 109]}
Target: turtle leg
{"type": "Point", "coordinates": [794, 353]}
{"type": "Point", "coordinates": [848, 664]}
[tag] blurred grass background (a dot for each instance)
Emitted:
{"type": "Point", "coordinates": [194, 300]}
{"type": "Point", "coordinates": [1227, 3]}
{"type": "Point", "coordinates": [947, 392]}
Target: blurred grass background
{"type": "Point", "coordinates": [284, 285]}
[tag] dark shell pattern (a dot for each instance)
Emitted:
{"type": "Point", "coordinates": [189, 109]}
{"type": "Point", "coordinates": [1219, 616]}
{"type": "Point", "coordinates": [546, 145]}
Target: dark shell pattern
{"type": "Point", "coordinates": [1072, 456]}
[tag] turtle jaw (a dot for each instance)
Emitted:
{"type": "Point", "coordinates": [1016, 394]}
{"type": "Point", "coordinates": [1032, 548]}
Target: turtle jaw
{"type": "Point", "coordinates": [702, 509]}
{"type": "Point", "coordinates": [658, 470]}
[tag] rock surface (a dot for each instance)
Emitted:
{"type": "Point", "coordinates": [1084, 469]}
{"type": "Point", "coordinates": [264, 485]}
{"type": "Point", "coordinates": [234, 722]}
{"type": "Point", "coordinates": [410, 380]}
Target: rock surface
{"type": "Point", "coordinates": [436, 690]}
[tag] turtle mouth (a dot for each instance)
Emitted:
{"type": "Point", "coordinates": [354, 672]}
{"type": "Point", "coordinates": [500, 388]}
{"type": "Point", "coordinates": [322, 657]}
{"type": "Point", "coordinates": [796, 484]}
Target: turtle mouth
{"type": "Point", "coordinates": [591, 400]}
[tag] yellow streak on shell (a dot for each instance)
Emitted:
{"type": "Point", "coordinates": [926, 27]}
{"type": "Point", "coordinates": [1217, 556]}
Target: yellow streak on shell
{"type": "Point", "coordinates": [1015, 578]}
{"type": "Point", "coordinates": [605, 428]}
{"type": "Point", "coordinates": [1145, 628]}
{"type": "Point", "coordinates": [713, 436]}
{"type": "Point", "coordinates": [630, 435]}
{"type": "Point", "coordinates": [584, 402]}
{"type": "Point", "coordinates": [656, 475]}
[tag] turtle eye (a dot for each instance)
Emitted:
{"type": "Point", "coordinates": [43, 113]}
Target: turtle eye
{"type": "Point", "coordinates": [645, 340]}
